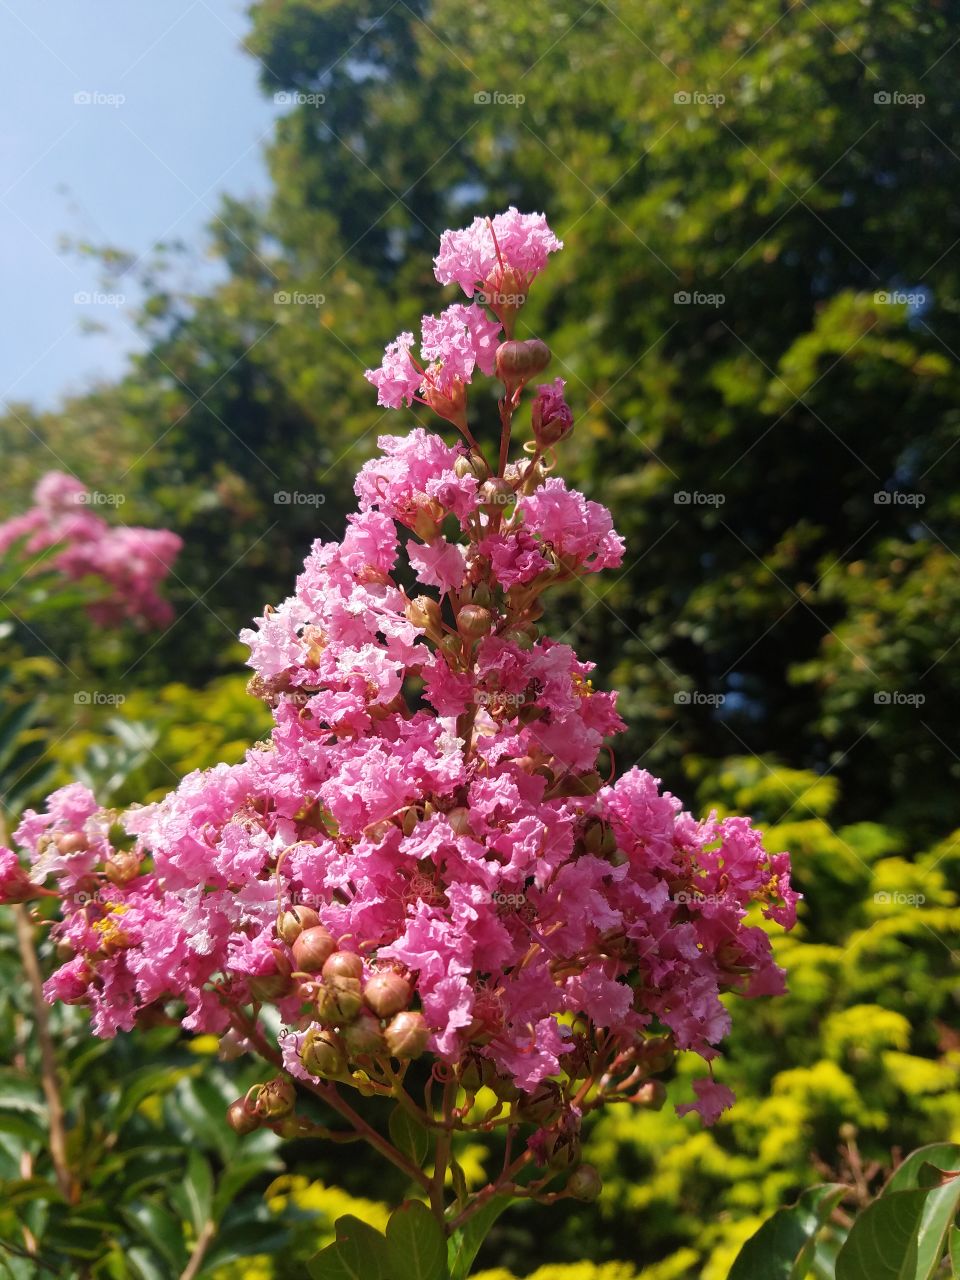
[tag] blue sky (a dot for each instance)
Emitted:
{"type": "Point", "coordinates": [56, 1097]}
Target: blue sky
{"type": "Point", "coordinates": [175, 117]}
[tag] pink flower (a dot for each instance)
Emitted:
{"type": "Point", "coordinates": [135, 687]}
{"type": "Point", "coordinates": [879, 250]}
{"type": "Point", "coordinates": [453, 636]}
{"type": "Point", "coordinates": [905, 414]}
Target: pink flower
{"type": "Point", "coordinates": [575, 528]}
{"type": "Point", "coordinates": [436, 800]}
{"type": "Point", "coordinates": [438, 563]}
{"type": "Point", "coordinates": [478, 256]}
{"type": "Point", "coordinates": [712, 1100]}
{"type": "Point", "coordinates": [129, 561]}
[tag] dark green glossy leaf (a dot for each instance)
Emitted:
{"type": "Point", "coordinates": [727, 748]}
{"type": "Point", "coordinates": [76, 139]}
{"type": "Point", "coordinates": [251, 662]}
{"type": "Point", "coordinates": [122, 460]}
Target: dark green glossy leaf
{"type": "Point", "coordinates": [784, 1246]}
{"type": "Point", "coordinates": [161, 1230]}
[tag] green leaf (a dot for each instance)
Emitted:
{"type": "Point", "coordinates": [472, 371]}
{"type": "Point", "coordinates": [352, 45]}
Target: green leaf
{"type": "Point", "coordinates": [901, 1236]}
{"type": "Point", "coordinates": [161, 1230]}
{"type": "Point", "coordinates": [198, 1190]}
{"type": "Point", "coordinates": [944, 1155]}
{"type": "Point", "coordinates": [236, 1176]}
{"type": "Point", "coordinates": [409, 1135]}
{"type": "Point", "coordinates": [417, 1248]}
{"type": "Point", "coordinates": [955, 1251]}
{"type": "Point", "coordinates": [464, 1245]}
{"type": "Point", "coordinates": [359, 1253]}
{"type": "Point", "coordinates": [783, 1248]}
{"type": "Point", "coordinates": [243, 1240]}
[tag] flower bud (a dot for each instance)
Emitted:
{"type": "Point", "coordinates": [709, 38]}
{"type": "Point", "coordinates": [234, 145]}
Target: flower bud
{"type": "Point", "coordinates": [544, 1104]}
{"type": "Point", "coordinates": [122, 867]}
{"type": "Point", "coordinates": [407, 1035]}
{"type": "Point", "coordinates": [276, 1099]}
{"type": "Point", "coordinates": [550, 414]}
{"type": "Point", "coordinates": [292, 922]}
{"type": "Point", "coordinates": [427, 521]}
{"type": "Point", "coordinates": [270, 986]}
{"type": "Point", "coordinates": [482, 595]}
{"type": "Point", "coordinates": [656, 1053]}
{"type": "Point", "coordinates": [474, 622]}
{"type": "Point", "coordinates": [70, 842]}
{"type": "Point", "coordinates": [522, 639]}
{"type": "Point", "coordinates": [518, 362]}
{"type": "Point", "coordinates": [322, 1054]}
{"type": "Point", "coordinates": [459, 819]}
{"type": "Point", "coordinates": [651, 1095]}
{"type": "Point", "coordinates": [364, 1036]}
{"type": "Point", "coordinates": [231, 1046]}
{"type": "Point", "coordinates": [496, 493]}
{"type": "Point", "coordinates": [451, 404]}
{"type": "Point", "coordinates": [471, 464]}
{"type": "Point", "coordinates": [343, 964]}
{"type": "Point", "coordinates": [240, 1119]}
{"type": "Point", "coordinates": [339, 1000]}
{"type": "Point", "coordinates": [387, 994]}
{"type": "Point", "coordinates": [584, 1183]}
{"type": "Point", "coordinates": [503, 1087]}
{"type": "Point", "coordinates": [424, 612]}
{"type": "Point", "coordinates": [312, 948]}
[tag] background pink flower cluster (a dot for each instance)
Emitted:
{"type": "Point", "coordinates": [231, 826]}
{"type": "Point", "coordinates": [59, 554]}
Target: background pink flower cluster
{"type": "Point", "coordinates": [128, 562]}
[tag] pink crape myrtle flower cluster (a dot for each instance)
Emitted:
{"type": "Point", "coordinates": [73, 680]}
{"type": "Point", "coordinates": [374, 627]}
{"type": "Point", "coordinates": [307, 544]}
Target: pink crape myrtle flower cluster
{"type": "Point", "coordinates": [426, 857]}
{"type": "Point", "coordinates": [129, 562]}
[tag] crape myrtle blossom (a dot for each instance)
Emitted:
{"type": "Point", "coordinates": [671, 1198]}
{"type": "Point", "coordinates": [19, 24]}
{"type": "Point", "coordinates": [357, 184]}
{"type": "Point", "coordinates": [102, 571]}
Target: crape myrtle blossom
{"type": "Point", "coordinates": [129, 562]}
{"type": "Point", "coordinates": [430, 854]}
